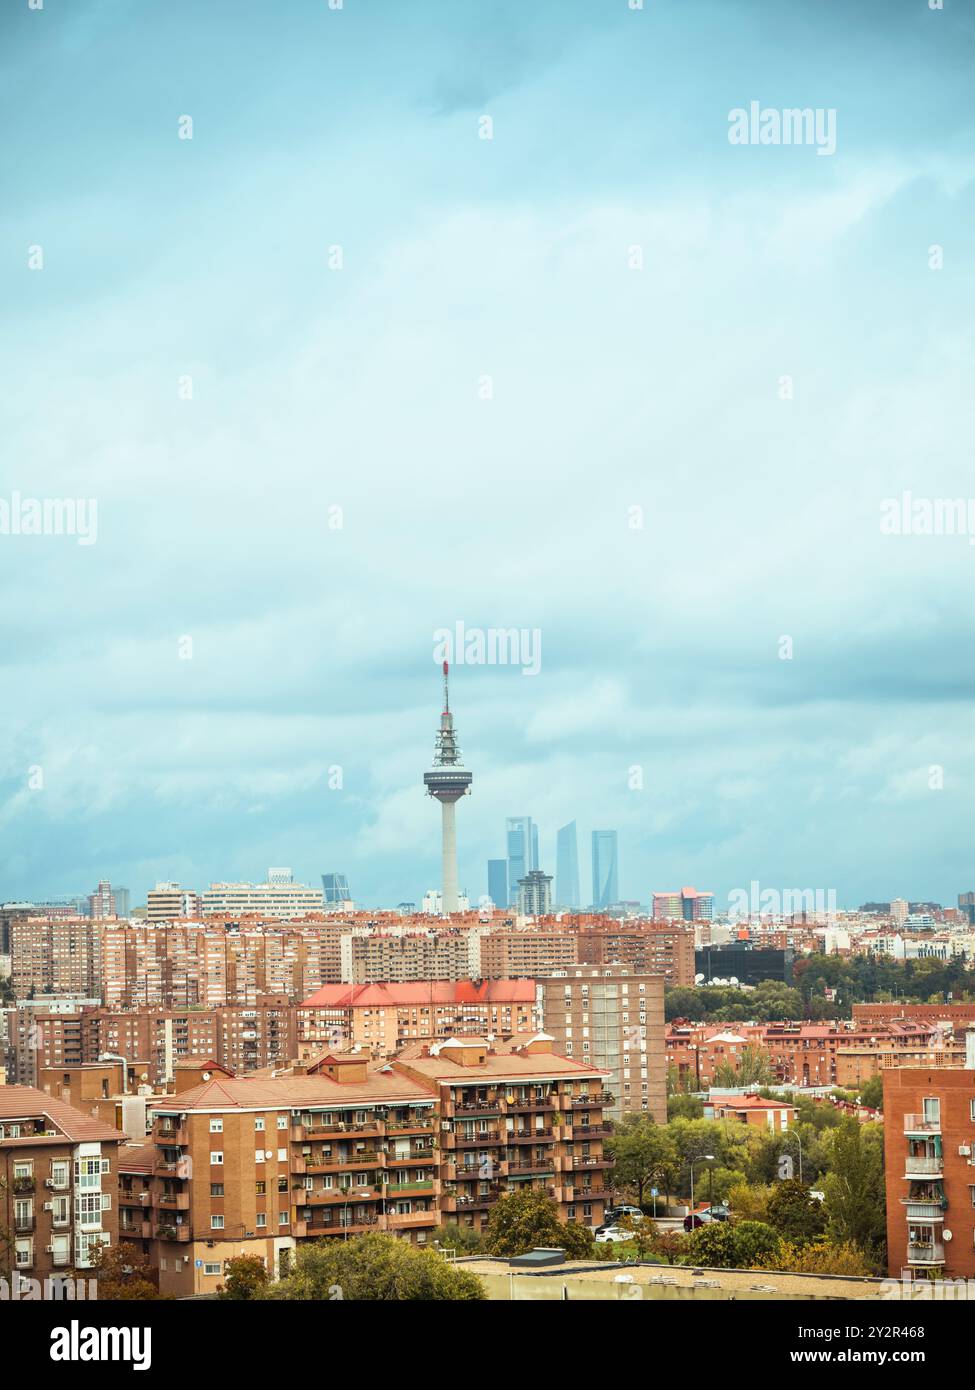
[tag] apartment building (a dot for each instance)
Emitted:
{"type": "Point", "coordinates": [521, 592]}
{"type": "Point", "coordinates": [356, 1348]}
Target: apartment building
{"type": "Point", "coordinates": [511, 953]}
{"type": "Point", "coordinates": [254, 1166]}
{"type": "Point", "coordinates": [382, 1018]}
{"type": "Point", "coordinates": [409, 956]}
{"type": "Point", "coordinates": [647, 948]}
{"type": "Point", "coordinates": [169, 901]}
{"type": "Point", "coordinates": [512, 1115]}
{"type": "Point", "coordinates": [59, 1194]}
{"type": "Point", "coordinates": [268, 899]}
{"type": "Point", "coordinates": [929, 1143]}
{"type": "Point", "coordinates": [55, 955]}
{"type": "Point", "coordinates": [609, 1018]}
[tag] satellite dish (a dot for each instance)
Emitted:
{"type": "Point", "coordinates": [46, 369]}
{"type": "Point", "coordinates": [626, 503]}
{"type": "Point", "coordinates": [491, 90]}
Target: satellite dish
{"type": "Point", "coordinates": [206, 1076]}
{"type": "Point", "coordinates": [947, 1235]}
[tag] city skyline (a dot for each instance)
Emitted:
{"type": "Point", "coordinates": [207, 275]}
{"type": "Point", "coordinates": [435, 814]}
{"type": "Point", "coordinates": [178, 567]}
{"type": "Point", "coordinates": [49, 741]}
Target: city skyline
{"type": "Point", "coordinates": [415, 351]}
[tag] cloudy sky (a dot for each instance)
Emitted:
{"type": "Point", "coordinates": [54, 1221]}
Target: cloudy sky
{"type": "Point", "coordinates": [431, 384]}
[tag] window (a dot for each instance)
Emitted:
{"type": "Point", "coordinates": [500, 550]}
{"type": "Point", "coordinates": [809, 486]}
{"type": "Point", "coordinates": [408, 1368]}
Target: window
{"type": "Point", "coordinates": [282, 1218]}
{"type": "Point", "coordinates": [88, 1208]}
{"type": "Point", "coordinates": [259, 1187]}
{"type": "Point", "coordinates": [61, 1211]}
{"type": "Point", "coordinates": [282, 1122]}
{"type": "Point", "coordinates": [259, 1156]}
{"type": "Point", "coordinates": [932, 1110]}
{"type": "Point", "coordinates": [211, 1268]}
{"type": "Point", "coordinates": [282, 1155]}
{"type": "Point", "coordinates": [259, 1123]}
{"type": "Point", "coordinates": [216, 1189]}
{"type": "Point", "coordinates": [59, 1172]}
{"type": "Point", "coordinates": [216, 1223]}
{"type": "Point", "coordinates": [216, 1156]}
{"type": "Point", "coordinates": [216, 1126]}
{"type": "Point", "coordinates": [23, 1170]}
{"type": "Point", "coordinates": [261, 1219]}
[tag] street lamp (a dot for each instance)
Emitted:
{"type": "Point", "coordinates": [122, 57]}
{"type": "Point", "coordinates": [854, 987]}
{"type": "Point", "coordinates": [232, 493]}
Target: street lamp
{"type": "Point", "coordinates": [701, 1158]}
{"type": "Point", "coordinates": [795, 1133]}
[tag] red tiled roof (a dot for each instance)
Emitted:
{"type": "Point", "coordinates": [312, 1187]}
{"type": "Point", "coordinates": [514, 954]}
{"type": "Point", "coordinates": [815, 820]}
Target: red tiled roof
{"type": "Point", "coordinates": [423, 992]}
{"type": "Point", "coordinates": [294, 1092]}
{"type": "Point", "coordinates": [26, 1102]}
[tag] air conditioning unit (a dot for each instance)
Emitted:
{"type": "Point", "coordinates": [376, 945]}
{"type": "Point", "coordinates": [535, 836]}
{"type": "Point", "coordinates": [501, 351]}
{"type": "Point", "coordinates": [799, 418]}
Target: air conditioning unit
{"type": "Point", "coordinates": [48, 1182]}
{"type": "Point", "coordinates": [964, 1150]}
{"type": "Point", "coordinates": [445, 1124]}
{"type": "Point", "coordinates": [49, 1249]}
{"type": "Point", "coordinates": [48, 1206]}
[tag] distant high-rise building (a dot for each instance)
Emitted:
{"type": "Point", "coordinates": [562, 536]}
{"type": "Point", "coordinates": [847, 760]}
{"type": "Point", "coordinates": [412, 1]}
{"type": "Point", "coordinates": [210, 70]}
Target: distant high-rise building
{"type": "Point", "coordinates": [279, 876]}
{"type": "Point", "coordinates": [497, 884]}
{"type": "Point", "coordinates": [335, 888]}
{"type": "Point", "coordinates": [521, 841]}
{"type": "Point", "coordinates": [535, 894]}
{"type": "Point", "coordinates": [567, 867]}
{"type": "Point", "coordinates": [536, 862]}
{"type": "Point", "coordinates": [688, 905]}
{"type": "Point", "coordinates": [123, 902]}
{"type": "Point", "coordinates": [966, 901]}
{"type": "Point", "coordinates": [101, 903]}
{"type": "Point", "coordinates": [605, 868]}
{"type": "Point", "coordinates": [899, 910]}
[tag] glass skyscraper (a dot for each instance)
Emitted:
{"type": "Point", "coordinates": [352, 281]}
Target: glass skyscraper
{"type": "Point", "coordinates": [522, 846]}
{"type": "Point", "coordinates": [497, 884]}
{"type": "Point", "coordinates": [605, 868]}
{"type": "Point", "coordinates": [336, 888]}
{"type": "Point", "coordinates": [567, 867]}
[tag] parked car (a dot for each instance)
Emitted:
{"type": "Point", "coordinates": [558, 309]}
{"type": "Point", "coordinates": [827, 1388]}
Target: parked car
{"type": "Point", "coordinates": [704, 1218]}
{"type": "Point", "coordinates": [608, 1235]}
{"type": "Point", "coordinates": [614, 1214]}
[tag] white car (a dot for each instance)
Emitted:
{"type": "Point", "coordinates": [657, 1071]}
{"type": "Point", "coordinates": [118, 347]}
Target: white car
{"type": "Point", "coordinates": [634, 1213]}
{"type": "Point", "coordinates": [612, 1234]}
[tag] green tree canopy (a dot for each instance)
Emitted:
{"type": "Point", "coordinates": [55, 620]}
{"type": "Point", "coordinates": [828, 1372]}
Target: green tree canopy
{"type": "Point", "coordinates": [521, 1221]}
{"type": "Point", "coordinates": [373, 1268]}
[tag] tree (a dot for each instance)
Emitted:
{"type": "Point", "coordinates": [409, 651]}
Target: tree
{"type": "Point", "coordinates": [749, 1201]}
{"type": "Point", "coordinates": [453, 1236]}
{"type": "Point", "coordinates": [820, 1257]}
{"type": "Point", "coordinates": [731, 1245]}
{"type": "Point", "coordinates": [124, 1274]}
{"type": "Point", "coordinates": [684, 1107]}
{"type": "Point", "coordinates": [854, 1189]}
{"type": "Point", "coordinates": [644, 1155]}
{"type": "Point", "coordinates": [872, 1092]}
{"type": "Point", "coordinates": [521, 1221]}
{"type": "Point", "coordinates": [374, 1268]}
{"type": "Point", "coordinates": [796, 1215]}
{"type": "Point", "coordinates": [754, 1068]}
{"type": "Point", "coordinates": [246, 1277]}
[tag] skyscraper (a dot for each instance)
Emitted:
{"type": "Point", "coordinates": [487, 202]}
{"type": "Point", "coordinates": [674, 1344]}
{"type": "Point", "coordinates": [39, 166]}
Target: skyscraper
{"type": "Point", "coordinates": [535, 894]}
{"type": "Point", "coordinates": [522, 842]}
{"type": "Point", "coordinates": [605, 876]}
{"type": "Point", "coordinates": [335, 888]}
{"type": "Point", "coordinates": [567, 867]}
{"type": "Point", "coordinates": [497, 884]}
{"type": "Point", "coordinates": [448, 781]}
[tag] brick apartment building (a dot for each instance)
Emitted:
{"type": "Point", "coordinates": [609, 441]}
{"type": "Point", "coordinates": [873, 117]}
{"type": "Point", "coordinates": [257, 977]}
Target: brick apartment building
{"type": "Point", "coordinates": [551, 945]}
{"type": "Point", "coordinates": [253, 1166]}
{"type": "Point", "coordinates": [512, 1116]}
{"type": "Point", "coordinates": [929, 1143]}
{"type": "Point", "coordinates": [55, 955]}
{"type": "Point", "coordinates": [614, 1020]}
{"type": "Point", "coordinates": [382, 1018]}
{"type": "Point", "coordinates": [409, 956]}
{"type": "Point", "coordinates": [258, 1165]}
{"type": "Point", "coordinates": [58, 1183]}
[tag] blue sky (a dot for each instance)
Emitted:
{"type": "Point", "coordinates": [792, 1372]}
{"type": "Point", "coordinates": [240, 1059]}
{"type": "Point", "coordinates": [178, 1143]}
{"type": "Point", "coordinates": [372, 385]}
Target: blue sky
{"type": "Point", "coordinates": [612, 389]}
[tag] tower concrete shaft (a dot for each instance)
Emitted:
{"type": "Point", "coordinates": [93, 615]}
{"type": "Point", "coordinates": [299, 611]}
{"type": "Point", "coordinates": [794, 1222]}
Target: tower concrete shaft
{"type": "Point", "coordinates": [449, 856]}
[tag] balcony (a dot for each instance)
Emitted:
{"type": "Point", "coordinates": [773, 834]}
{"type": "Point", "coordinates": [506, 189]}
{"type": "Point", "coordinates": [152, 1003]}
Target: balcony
{"type": "Point", "coordinates": [513, 1107]}
{"type": "Point", "coordinates": [594, 1098]}
{"type": "Point", "coordinates": [174, 1201]}
{"type": "Point", "coordinates": [474, 1141]}
{"type": "Point", "coordinates": [22, 1186]}
{"type": "Point", "coordinates": [924, 1211]}
{"type": "Point", "coordinates": [925, 1253]}
{"type": "Point", "coordinates": [413, 1125]}
{"type": "Point", "coordinates": [476, 1107]}
{"type": "Point", "coordinates": [172, 1135]}
{"type": "Point", "coordinates": [921, 1124]}
{"type": "Point", "coordinates": [302, 1133]}
{"type": "Point", "coordinates": [400, 1220]}
{"type": "Point", "coordinates": [165, 1231]}
{"type": "Point", "coordinates": [417, 1156]}
{"type": "Point", "coordinates": [528, 1136]}
{"type": "Point", "coordinates": [23, 1225]}
{"type": "Point", "coordinates": [927, 1167]}
{"type": "Point", "coordinates": [339, 1196]}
